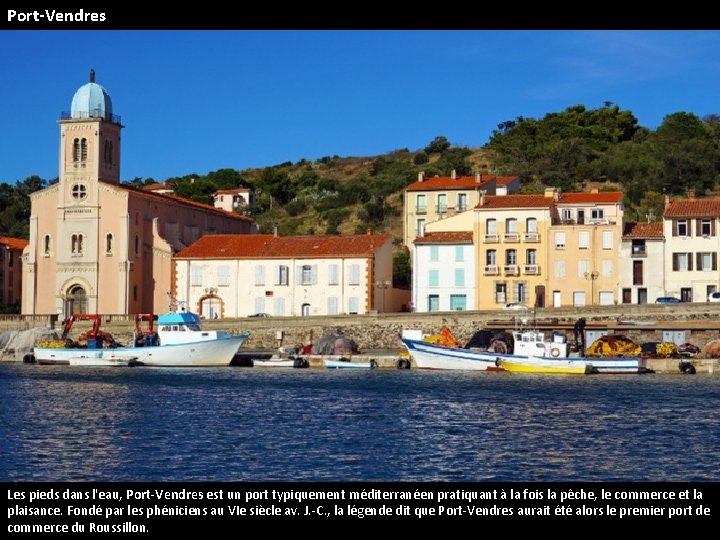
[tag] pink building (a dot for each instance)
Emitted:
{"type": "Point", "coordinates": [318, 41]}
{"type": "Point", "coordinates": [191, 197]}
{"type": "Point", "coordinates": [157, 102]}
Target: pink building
{"type": "Point", "coordinates": [98, 246]}
{"type": "Point", "coordinates": [11, 269]}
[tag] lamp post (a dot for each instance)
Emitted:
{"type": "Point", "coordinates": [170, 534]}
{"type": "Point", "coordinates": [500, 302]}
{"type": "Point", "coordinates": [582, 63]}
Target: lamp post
{"type": "Point", "coordinates": [592, 276]}
{"type": "Point", "coordinates": [383, 284]}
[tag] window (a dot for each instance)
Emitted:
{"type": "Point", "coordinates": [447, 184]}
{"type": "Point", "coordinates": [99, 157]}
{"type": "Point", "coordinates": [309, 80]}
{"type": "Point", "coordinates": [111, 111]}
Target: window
{"type": "Point", "coordinates": [434, 253]}
{"type": "Point", "coordinates": [83, 150]}
{"type": "Point", "coordinates": [353, 305]}
{"type": "Point", "coordinates": [458, 302]}
{"type": "Point", "coordinates": [433, 302]}
{"type": "Point", "coordinates": [682, 262]}
{"type": "Point", "coordinates": [607, 298]}
{"type": "Point", "coordinates": [421, 204]}
{"type": "Point", "coordinates": [461, 202]}
{"type": "Point", "coordinates": [706, 261]}
{"type": "Point", "coordinates": [607, 268]}
{"type": "Point", "coordinates": [76, 242]}
{"type": "Point", "coordinates": [567, 214]}
{"type": "Point", "coordinates": [260, 304]}
{"type": "Point", "coordinates": [332, 305]}
{"type": "Point", "coordinates": [354, 277]}
{"type": "Point", "coordinates": [46, 245]}
{"type": "Point", "coordinates": [195, 276]}
{"type": "Point", "coordinates": [638, 248]}
{"type": "Point", "coordinates": [596, 213]}
{"type": "Point", "coordinates": [259, 275]}
{"type": "Point", "coordinates": [706, 227]}
{"type": "Point", "coordinates": [135, 293]}
{"type": "Point", "coordinates": [79, 192]}
{"type": "Point", "coordinates": [420, 230]}
{"type": "Point", "coordinates": [11, 260]}
{"type": "Point", "coordinates": [638, 273]}
{"type": "Point", "coordinates": [559, 269]}
{"type": "Point", "coordinates": [559, 240]}
{"type": "Point", "coordinates": [459, 277]}
{"type": "Point", "coordinates": [137, 245]}
{"type": "Point", "coordinates": [76, 150]}
{"type": "Point", "coordinates": [511, 256]}
{"type": "Point", "coordinates": [531, 225]}
{"type": "Point", "coordinates": [442, 203]}
{"type": "Point", "coordinates": [583, 267]}
{"type": "Point", "coordinates": [306, 275]}
{"type": "Point", "coordinates": [459, 253]}
{"type": "Point", "coordinates": [491, 257]}
{"type": "Point", "coordinates": [579, 298]}
{"type": "Point", "coordinates": [511, 226]}
{"type": "Point", "coordinates": [223, 275]}
{"type": "Point", "coordinates": [491, 225]}
{"type": "Point", "coordinates": [433, 278]}
{"type": "Point", "coordinates": [108, 243]}
{"type": "Point", "coordinates": [531, 256]}
{"type": "Point", "coordinates": [584, 239]}
{"type": "Point", "coordinates": [279, 307]}
{"type": "Point", "coordinates": [333, 274]}
{"type": "Point", "coordinates": [681, 228]}
{"type": "Point", "coordinates": [520, 291]}
{"type": "Point", "coordinates": [282, 275]}
{"type": "Point", "coordinates": [607, 240]}
{"type": "Point", "coordinates": [500, 293]}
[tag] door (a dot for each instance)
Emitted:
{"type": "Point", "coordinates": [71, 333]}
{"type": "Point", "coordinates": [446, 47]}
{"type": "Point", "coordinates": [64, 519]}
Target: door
{"type": "Point", "coordinates": [686, 294]}
{"type": "Point", "coordinates": [637, 273]}
{"type": "Point", "coordinates": [556, 299]}
{"type": "Point", "coordinates": [627, 296]}
{"type": "Point", "coordinates": [642, 296]}
{"type": "Point", "coordinates": [305, 310]}
{"type": "Point", "coordinates": [540, 296]}
{"type": "Point", "coordinates": [433, 302]}
{"type": "Point", "coordinates": [581, 217]}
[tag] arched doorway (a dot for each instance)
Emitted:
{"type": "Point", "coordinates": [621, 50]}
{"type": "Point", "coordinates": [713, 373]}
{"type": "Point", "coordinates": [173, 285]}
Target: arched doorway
{"type": "Point", "coordinates": [305, 310]}
{"type": "Point", "coordinates": [75, 301]}
{"type": "Point", "coordinates": [210, 307]}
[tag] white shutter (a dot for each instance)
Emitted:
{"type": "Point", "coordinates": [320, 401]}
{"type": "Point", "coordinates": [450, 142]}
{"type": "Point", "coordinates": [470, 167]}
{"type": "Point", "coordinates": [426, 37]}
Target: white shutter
{"type": "Point", "coordinates": [333, 274]}
{"type": "Point", "coordinates": [259, 275]}
{"type": "Point", "coordinates": [279, 307]}
{"type": "Point", "coordinates": [276, 275]}
{"type": "Point", "coordinates": [223, 275]}
{"type": "Point", "coordinates": [354, 278]}
{"type": "Point", "coordinates": [607, 240]}
{"type": "Point", "coordinates": [584, 240]}
{"type": "Point", "coordinates": [260, 304]}
{"type": "Point", "coordinates": [313, 274]}
{"type": "Point", "coordinates": [353, 305]}
{"type": "Point", "coordinates": [332, 305]}
{"type": "Point", "coordinates": [298, 274]}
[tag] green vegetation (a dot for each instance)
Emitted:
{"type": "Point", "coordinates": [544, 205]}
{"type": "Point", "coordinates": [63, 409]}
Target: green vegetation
{"type": "Point", "coordinates": [334, 195]}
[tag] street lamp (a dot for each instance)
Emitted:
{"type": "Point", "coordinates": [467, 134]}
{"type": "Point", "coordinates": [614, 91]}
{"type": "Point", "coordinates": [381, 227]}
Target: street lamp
{"type": "Point", "coordinates": [383, 284]}
{"type": "Point", "coordinates": [592, 276]}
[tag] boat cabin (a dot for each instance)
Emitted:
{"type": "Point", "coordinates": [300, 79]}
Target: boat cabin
{"type": "Point", "coordinates": [532, 343]}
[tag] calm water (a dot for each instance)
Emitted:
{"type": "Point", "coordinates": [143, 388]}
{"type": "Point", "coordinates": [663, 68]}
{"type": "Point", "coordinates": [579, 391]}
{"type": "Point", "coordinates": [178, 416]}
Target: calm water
{"type": "Point", "coordinates": [235, 424]}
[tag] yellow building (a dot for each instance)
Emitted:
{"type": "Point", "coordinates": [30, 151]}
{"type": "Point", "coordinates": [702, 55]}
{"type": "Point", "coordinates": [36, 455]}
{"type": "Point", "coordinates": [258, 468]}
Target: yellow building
{"type": "Point", "coordinates": [584, 248]}
{"type": "Point", "coordinates": [511, 238]}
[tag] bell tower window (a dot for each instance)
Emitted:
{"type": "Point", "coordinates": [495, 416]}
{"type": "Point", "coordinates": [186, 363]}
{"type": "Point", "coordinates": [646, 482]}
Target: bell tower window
{"type": "Point", "coordinates": [76, 150]}
{"type": "Point", "coordinates": [79, 192]}
{"type": "Point", "coordinates": [83, 150]}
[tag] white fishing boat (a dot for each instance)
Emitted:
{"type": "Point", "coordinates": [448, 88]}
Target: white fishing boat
{"type": "Point", "coordinates": [275, 362]}
{"type": "Point", "coordinates": [531, 352]}
{"type": "Point", "coordinates": [347, 363]}
{"type": "Point", "coordinates": [178, 342]}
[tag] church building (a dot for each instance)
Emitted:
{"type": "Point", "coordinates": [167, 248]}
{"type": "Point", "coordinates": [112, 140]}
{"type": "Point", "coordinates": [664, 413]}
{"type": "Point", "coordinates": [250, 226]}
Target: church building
{"type": "Point", "coordinates": [99, 246]}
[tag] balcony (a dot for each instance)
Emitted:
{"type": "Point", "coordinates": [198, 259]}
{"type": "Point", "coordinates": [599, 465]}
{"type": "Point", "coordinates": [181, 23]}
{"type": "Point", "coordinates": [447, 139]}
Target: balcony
{"type": "Point", "coordinates": [421, 210]}
{"type": "Point", "coordinates": [531, 269]}
{"type": "Point", "coordinates": [531, 237]}
{"type": "Point", "coordinates": [492, 238]}
{"type": "Point", "coordinates": [491, 270]}
{"type": "Point", "coordinates": [511, 237]}
{"type": "Point", "coordinates": [511, 270]}
{"type": "Point", "coordinates": [638, 252]}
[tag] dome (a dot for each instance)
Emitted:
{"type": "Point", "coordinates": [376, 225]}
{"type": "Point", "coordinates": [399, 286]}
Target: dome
{"type": "Point", "coordinates": [91, 101]}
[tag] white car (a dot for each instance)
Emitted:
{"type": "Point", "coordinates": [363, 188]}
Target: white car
{"type": "Point", "coordinates": [714, 296]}
{"type": "Point", "coordinates": [515, 305]}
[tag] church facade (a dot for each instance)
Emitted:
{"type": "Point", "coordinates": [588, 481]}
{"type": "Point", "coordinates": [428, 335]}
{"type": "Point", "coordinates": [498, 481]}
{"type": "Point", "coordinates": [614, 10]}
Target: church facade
{"type": "Point", "coordinates": [96, 245]}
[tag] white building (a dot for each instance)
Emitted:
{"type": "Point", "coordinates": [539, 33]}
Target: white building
{"type": "Point", "coordinates": [642, 267]}
{"type": "Point", "coordinates": [444, 272]}
{"type": "Point", "coordinates": [232, 200]}
{"type": "Point", "coordinates": [238, 276]}
{"type": "Point", "coordinates": [692, 244]}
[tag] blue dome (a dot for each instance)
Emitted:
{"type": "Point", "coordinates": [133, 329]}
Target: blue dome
{"type": "Point", "coordinates": [91, 101]}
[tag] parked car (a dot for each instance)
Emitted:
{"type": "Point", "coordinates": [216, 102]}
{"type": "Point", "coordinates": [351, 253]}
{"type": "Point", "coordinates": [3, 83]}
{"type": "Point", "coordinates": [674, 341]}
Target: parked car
{"type": "Point", "coordinates": [259, 315]}
{"type": "Point", "coordinates": [714, 296]}
{"type": "Point", "coordinates": [668, 300]}
{"type": "Point", "coordinates": [515, 305]}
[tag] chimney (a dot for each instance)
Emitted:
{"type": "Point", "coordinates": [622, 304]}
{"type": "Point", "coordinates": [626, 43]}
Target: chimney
{"type": "Point", "coordinates": [421, 176]}
{"type": "Point", "coordinates": [275, 233]}
{"type": "Point", "coordinates": [482, 197]}
{"type": "Point", "coordinates": [550, 192]}
{"type": "Point", "coordinates": [478, 178]}
{"type": "Point", "coordinates": [368, 231]}
{"type": "Point", "coordinates": [453, 174]}
{"type": "Point", "coordinates": [594, 189]}
{"type": "Point", "coordinates": [691, 194]}
{"type": "Point", "coordinates": [667, 200]}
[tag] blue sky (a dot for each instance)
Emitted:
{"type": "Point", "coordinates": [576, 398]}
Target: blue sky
{"type": "Point", "coordinates": [196, 101]}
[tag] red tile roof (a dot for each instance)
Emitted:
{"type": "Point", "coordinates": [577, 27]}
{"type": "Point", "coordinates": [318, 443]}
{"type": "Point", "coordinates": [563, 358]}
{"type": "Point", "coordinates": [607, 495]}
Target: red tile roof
{"type": "Point", "coordinates": [155, 186]}
{"type": "Point", "coordinates": [603, 197]}
{"type": "Point", "coordinates": [13, 243]}
{"type": "Point", "coordinates": [693, 208]}
{"type": "Point", "coordinates": [267, 246]}
{"type": "Point", "coordinates": [461, 182]}
{"type": "Point", "coordinates": [179, 200]}
{"type": "Point", "coordinates": [515, 201]}
{"type": "Point", "coordinates": [643, 230]}
{"type": "Point", "coordinates": [232, 191]}
{"type": "Point", "coordinates": [446, 237]}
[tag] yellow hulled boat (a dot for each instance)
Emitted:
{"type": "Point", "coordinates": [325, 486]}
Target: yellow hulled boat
{"type": "Point", "coordinates": [560, 366]}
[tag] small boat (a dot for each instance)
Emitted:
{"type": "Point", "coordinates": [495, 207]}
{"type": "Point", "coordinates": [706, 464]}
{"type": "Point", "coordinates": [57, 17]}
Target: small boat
{"type": "Point", "coordinates": [178, 342]}
{"type": "Point", "coordinates": [347, 363]}
{"type": "Point", "coordinates": [275, 362]}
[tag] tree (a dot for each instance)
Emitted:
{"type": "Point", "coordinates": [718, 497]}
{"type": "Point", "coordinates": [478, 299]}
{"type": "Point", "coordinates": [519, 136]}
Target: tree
{"type": "Point", "coordinates": [438, 145]}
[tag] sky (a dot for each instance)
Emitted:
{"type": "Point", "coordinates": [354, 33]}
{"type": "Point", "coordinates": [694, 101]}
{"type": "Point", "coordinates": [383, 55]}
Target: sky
{"type": "Point", "coordinates": [197, 101]}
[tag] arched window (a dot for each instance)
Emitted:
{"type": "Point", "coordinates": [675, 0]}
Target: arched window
{"type": "Point", "coordinates": [108, 243]}
{"type": "Point", "coordinates": [76, 300]}
{"type": "Point", "coordinates": [46, 245]}
{"type": "Point", "coordinates": [77, 244]}
{"type": "Point", "coordinates": [76, 150]}
{"type": "Point", "coordinates": [83, 149]}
